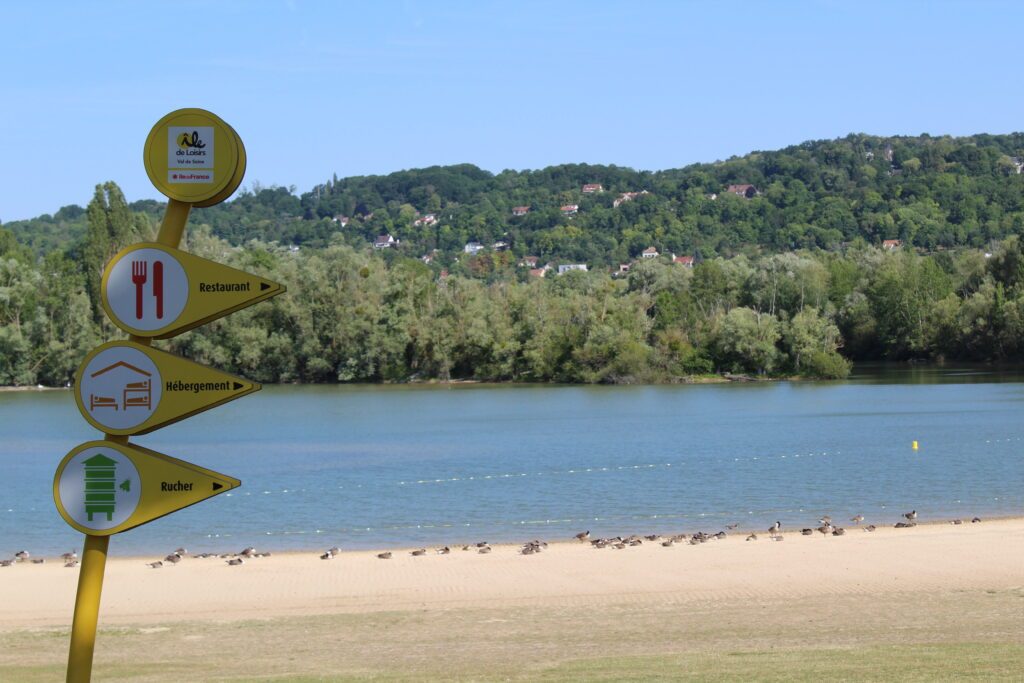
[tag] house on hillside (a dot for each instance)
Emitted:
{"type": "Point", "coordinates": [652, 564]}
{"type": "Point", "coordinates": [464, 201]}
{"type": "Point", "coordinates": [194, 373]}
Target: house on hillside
{"type": "Point", "coordinates": [591, 188]}
{"type": "Point", "coordinates": [889, 245]}
{"type": "Point", "coordinates": [520, 210]}
{"type": "Point", "coordinates": [538, 272]}
{"type": "Point", "coordinates": [745, 191]}
{"type": "Point", "coordinates": [571, 266]}
{"type": "Point", "coordinates": [429, 219]}
{"type": "Point", "coordinates": [1018, 163]}
{"type": "Point", "coordinates": [686, 261]}
{"type": "Point", "coordinates": [385, 242]}
{"type": "Point", "coordinates": [570, 209]}
{"type": "Point", "coordinates": [500, 245]}
{"type": "Point", "coordinates": [473, 248]}
{"type": "Point", "coordinates": [428, 258]}
{"type": "Point", "coordinates": [529, 262]}
{"type": "Point", "coordinates": [341, 220]}
{"type": "Point", "coordinates": [649, 252]}
{"type": "Point", "coordinates": [623, 270]}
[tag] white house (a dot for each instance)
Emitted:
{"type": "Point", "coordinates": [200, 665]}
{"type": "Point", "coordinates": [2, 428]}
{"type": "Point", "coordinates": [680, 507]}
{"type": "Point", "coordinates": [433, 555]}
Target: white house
{"type": "Point", "coordinates": [384, 242]}
{"type": "Point", "coordinates": [649, 252]}
{"type": "Point", "coordinates": [572, 266]}
{"type": "Point", "coordinates": [473, 248]}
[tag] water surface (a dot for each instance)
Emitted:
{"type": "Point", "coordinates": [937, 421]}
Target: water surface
{"type": "Point", "coordinates": [371, 466]}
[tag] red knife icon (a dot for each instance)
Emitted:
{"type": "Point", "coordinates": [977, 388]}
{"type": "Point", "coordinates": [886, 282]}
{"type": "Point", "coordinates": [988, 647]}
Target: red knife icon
{"type": "Point", "coordinates": [158, 288]}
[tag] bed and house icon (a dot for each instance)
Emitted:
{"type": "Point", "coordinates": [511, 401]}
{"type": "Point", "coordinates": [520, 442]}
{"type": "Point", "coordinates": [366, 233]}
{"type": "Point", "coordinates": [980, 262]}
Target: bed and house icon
{"type": "Point", "coordinates": [137, 394]}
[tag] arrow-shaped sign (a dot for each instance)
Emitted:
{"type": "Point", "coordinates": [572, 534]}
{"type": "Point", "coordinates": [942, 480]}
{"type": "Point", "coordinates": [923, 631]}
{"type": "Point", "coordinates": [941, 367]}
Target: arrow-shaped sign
{"type": "Point", "coordinates": [103, 488]}
{"type": "Point", "coordinates": [126, 388]}
{"type": "Point", "coordinates": [151, 290]}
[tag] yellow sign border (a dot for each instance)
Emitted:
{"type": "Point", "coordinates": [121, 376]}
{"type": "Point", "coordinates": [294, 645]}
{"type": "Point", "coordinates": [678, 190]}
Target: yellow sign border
{"type": "Point", "coordinates": [224, 173]}
{"type": "Point", "coordinates": [140, 462]}
{"type": "Point", "coordinates": [185, 259]}
{"type": "Point", "coordinates": [154, 423]}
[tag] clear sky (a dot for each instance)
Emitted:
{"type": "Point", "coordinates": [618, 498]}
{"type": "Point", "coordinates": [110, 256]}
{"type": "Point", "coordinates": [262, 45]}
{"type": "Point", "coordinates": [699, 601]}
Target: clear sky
{"type": "Point", "coordinates": [315, 88]}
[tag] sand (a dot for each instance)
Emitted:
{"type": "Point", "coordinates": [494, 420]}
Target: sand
{"type": "Point", "coordinates": [887, 564]}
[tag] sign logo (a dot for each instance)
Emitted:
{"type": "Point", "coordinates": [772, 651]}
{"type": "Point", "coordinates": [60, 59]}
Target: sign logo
{"type": "Point", "coordinates": [99, 488]}
{"type": "Point", "coordinates": [189, 148]}
{"type": "Point", "coordinates": [147, 289]}
{"type": "Point", "coordinates": [120, 387]}
{"type": "Point", "coordinates": [185, 141]}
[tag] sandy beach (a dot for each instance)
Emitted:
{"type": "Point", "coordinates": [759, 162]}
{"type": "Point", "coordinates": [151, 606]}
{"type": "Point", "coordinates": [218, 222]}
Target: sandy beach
{"type": "Point", "coordinates": [920, 585]}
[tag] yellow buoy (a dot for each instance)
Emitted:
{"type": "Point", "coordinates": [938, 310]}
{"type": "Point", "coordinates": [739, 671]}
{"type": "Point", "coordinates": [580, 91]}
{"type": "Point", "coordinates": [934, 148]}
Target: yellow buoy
{"type": "Point", "coordinates": [914, 445]}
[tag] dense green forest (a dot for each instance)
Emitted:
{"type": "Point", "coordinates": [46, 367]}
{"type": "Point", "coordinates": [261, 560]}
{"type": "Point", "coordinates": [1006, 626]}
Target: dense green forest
{"type": "Point", "coordinates": [789, 277]}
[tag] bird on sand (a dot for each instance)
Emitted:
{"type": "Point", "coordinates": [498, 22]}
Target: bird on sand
{"type": "Point", "coordinates": [484, 550]}
{"type": "Point", "coordinates": [807, 532]}
{"type": "Point", "coordinates": [6, 563]}
{"type": "Point", "coordinates": [975, 520]}
{"type": "Point", "coordinates": [384, 556]}
{"type": "Point", "coordinates": [21, 555]}
{"type": "Point", "coordinates": [774, 529]}
{"type": "Point", "coordinates": [870, 527]}
{"type": "Point", "coordinates": [911, 516]}
{"type": "Point", "coordinates": [327, 556]}
{"type": "Point", "coordinates": [155, 565]}
{"type": "Point", "coordinates": [752, 537]}
{"type": "Point", "coordinates": [419, 553]}
{"type": "Point", "coordinates": [40, 560]}
{"type": "Point", "coordinates": [583, 536]}
{"type": "Point", "coordinates": [857, 519]}
{"type": "Point", "coordinates": [444, 551]}
{"type": "Point", "coordinates": [236, 561]}
{"type": "Point", "coordinates": [70, 564]}
{"type": "Point", "coordinates": [69, 556]}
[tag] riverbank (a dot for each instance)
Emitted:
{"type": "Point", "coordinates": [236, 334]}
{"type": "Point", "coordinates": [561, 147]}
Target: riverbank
{"type": "Point", "coordinates": [926, 599]}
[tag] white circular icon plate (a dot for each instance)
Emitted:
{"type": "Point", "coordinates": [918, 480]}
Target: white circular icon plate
{"type": "Point", "coordinates": [120, 387]}
{"type": "Point", "coordinates": [147, 289]}
{"type": "Point", "coordinates": [99, 488]}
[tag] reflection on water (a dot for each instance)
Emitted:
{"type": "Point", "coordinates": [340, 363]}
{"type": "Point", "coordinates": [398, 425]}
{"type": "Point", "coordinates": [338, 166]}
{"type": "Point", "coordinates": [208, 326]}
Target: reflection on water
{"type": "Point", "coordinates": [379, 466]}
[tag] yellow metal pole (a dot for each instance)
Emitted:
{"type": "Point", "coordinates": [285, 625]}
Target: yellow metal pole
{"type": "Point", "coordinates": [173, 226]}
{"type": "Point", "coordinates": [87, 608]}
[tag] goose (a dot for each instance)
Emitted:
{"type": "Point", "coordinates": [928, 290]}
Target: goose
{"type": "Point", "coordinates": [6, 563]}
{"type": "Point", "coordinates": [384, 556]}
{"type": "Point", "coordinates": [905, 525]}
{"type": "Point", "coordinates": [248, 552]}
{"type": "Point", "coordinates": [839, 531]}
{"type": "Point", "coordinates": [870, 527]}
{"type": "Point", "coordinates": [774, 529]}
{"type": "Point", "coordinates": [975, 520]}
{"type": "Point", "coordinates": [173, 558]}
{"type": "Point", "coordinates": [70, 564]}
{"type": "Point", "coordinates": [752, 537]}
{"type": "Point", "coordinates": [327, 556]}
{"type": "Point", "coordinates": [957, 521]}
{"type": "Point", "coordinates": [22, 555]}
{"type": "Point", "coordinates": [484, 550]}
{"type": "Point", "coordinates": [419, 553]}
{"type": "Point", "coordinates": [155, 565]}
{"type": "Point", "coordinates": [826, 529]}
{"type": "Point", "coordinates": [236, 561]}
{"type": "Point", "coordinates": [827, 519]}
{"type": "Point", "coordinates": [619, 546]}
{"type": "Point", "coordinates": [730, 527]}
{"type": "Point", "coordinates": [669, 543]}
{"type": "Point", "coordinates": [911, 516]}
{"type": "Point", "coordinates": [720, 535]}
{"type": "Point", "coordinates": [181, 551]}
{"type": "Point", "coordinates": [583, 536]}
{"type": "Point", "coordinates": [527, 550]}
{"type": "Point", "coordinates": [857, 519]}
{"type": "Point", "coordinates": [465, 547]}
{"type": "Point", "coordinates": [333, 551]}
{"type": "Point", "coordinates": [807, 532]}
{"type": "Point", "coordinates": [652, 537]}
{"type": "Point", "coordinates": [69, 556]}
{"type": "Point", "coordinates": [444, 551]}
{"type": "Point", "coordinates": [40, 560]}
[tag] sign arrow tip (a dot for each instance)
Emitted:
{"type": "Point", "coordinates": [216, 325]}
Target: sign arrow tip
{"type": "Point", "coordinates": [264, 286]}
{"type": "Point", "coordinates": [217, 487]}
{"type": "Point", "coordinates": [238, 385]}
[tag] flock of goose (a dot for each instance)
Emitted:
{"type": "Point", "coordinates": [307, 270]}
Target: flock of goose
{"type": "Point", "coordinates": [825, 528]}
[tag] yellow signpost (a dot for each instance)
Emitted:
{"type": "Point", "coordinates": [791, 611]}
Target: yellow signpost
{"type": "Point", "coordinates": [153, 291]}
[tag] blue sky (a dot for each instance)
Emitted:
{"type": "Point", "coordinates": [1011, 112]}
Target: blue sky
{"type": "Point", "coordinates": [316, 88]}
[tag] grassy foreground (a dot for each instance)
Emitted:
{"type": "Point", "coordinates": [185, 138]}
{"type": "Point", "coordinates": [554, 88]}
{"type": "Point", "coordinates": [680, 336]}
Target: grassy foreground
{"type": "Point", "coordinates": [935, 636]}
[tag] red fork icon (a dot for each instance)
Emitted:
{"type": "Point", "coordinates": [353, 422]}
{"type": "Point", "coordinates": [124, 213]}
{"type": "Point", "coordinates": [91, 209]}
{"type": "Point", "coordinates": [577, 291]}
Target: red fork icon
{"type": "Point", "coordinates": [138, 279]}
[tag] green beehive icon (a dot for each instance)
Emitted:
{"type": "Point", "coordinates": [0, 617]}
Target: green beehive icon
{"type": "Point", "coordinates": [100, 486]}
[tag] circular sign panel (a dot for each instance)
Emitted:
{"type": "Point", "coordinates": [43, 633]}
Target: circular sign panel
{"type": "Point", "coordinates": [192, 156]}
{"type": "Point", "coordinates": [118, 388]}
{"type": "Point", "coordinates": [97, 488]}
{"type": "Point", "coordinates": [145, 290]}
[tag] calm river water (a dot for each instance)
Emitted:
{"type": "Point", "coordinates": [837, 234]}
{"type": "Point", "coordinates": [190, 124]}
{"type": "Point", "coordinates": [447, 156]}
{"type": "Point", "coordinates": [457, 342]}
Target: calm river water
{"type": "Point", "coordinates": [368, 466]}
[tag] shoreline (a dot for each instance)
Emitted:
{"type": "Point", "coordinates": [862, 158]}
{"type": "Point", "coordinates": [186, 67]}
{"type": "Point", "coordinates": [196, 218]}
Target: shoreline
{"type": "Point", "coordinates": [567, 574]}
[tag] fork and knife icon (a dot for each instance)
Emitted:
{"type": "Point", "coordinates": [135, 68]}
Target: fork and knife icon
{"type": "Point", "coordinates": [139, 278]}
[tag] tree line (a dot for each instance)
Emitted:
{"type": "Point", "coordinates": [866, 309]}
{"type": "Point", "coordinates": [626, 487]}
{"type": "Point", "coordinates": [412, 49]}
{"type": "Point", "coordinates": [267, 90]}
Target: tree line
{"type": "Point", "coordinates": [353, 314]}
